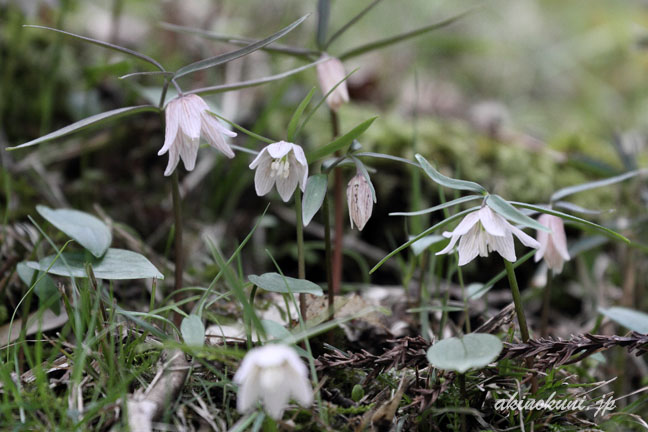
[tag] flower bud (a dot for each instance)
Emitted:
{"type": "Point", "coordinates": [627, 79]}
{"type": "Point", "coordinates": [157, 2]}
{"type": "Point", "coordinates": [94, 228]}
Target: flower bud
{"type": "Point", "coordinates": [360, 200]}
{"type": "Point", "coordinates": [329, 73]}
{"type": "Point", "coordinates": [553, 245]}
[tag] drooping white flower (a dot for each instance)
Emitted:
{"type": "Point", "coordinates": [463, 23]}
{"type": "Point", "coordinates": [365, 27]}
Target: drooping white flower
{"type": "Point", "coordinates": [187, 118]}
{"type": "Point", "coordinates": [483, 231]}
{"type": "Point", "coordinates": [274, 374]}
{"type": "Point", "coordinates": [553, 245]}
{"type": "Point", "coordinates": [329, 73]}
{"type": "Point", "coordinates": [360, 201]}
{"type": "Point", "coordinates": [282, 163]}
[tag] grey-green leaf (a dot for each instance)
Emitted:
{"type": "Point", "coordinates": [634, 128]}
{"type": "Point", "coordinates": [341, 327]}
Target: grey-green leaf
{"type": "Point", "coordinates": [421, 245]}
{"type": "Point", "coordinates": [224, 58]}
{"type": "Point", "coordinates": [439, 207]}
{"type": "Point", "coordinates": [294, 120]}
{"type": "Point", "coordinates": [283, 284]}
{"type": "Point", "coordinates": [85, 229]}
{"type": "Point", "coordinates": [116, 264]}
{"type": "Point", "coordinates": [628, 318]}
{"type": "Point", "coordinates": [567, 217]}
{"type": "Point", "coordinates": [504, 208]}
{"type": "Point", "coordinates": [88, 122]}
{"type": "Point", "coordinates": [45, 289]}
{"type": "Point", "coordinates": [559, 194]}
{"type": "Point", "coordinates": [313, 196]}
{"type": "Point", "coordinates": [340, 142]}
{"type": "Point", "coordinates": [473, 351]}
{"type": "Point", "coordinates": [193, 331]}
{"type": "Point", "coordinates": [447, 181]}
{"type": "Point", "coordinates": [275, 330]}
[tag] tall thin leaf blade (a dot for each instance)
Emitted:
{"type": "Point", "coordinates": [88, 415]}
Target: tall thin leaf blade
{"type": "Point", "coordinates": [323, 14]}
{"type": "Point", "coordinates": [252, 83]}
{"type": "Point", "coordinates": [439, 207]}
{"type": "Point", "coordinates": [88, 122]}
{"type": "Point", "coordinates": [608, 232]}
{"type": "Point", "coordinates": [294, 120]}
{"type": "Point", "coordinates": [351, 22]}
{"type": "Point", "coordinates": [340, 142]}
{"type": "Point", "coordinates": [447, 181]}
{"type": "Point", "coordinates": [504, 208]}
{"type": "Point", "coordinates": [224, 58]}
{"type": "Point", "coordinates": [105, 45]}
{"type": "Point", "coordinates": [314, 196]}
{"type": "Point", "coordinates": [562, 193]}
{"type": "Point", "coordinates": [238, 40]}
{"type": "Point", "coordinates": [402, 37]}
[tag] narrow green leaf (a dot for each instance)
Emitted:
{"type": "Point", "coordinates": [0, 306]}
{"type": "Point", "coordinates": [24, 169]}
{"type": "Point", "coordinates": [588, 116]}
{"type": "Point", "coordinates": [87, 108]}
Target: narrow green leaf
{"type": "Point", "coordinates": [294, 120]}
{"type": "Point", "coordinates": [275, 282]}
{"type": "Point", "coordinates": [421, 245]}
{"type": "Point", "coordinates": [151, 73]}
{"type": "Point", "coordinates": [105, 45]}
{"type": "Point", "coordinates": [45, 289]}
{"type": "Point", "coordinates": [314, 196]}
{"type": "Point", "coordinates": [440, 206]}
{"type": "Point", "coordinates": [608, 232]}
{"type": "Point", "coordinates": [323, 13]}
{"type": "Point", "coordinates": [559, 194]}
{"type": "Point", "coordinates": [87, 122]}
{"type": "Point", "coordinates": [388, 157]}
{"type": "Point", "coordinates": [351, 22]}
{"type": "Point", "coordinates": [472, 351]}
{"type": "Point", "coordinates": [504, 208]}
{"type": "Point", "coordinates": [566, 205]}
{"type": "Point", "coordinates": [238, 40]}
{"type": "Point", "coordinates": [84, 228]}
{"type": "Point", "coordinates": [116, 264]}
{"type": "Point", "coordinates": [447, 181]}
{"type": "Point", "coordinates": [252, 83]}
{"type": "Point", "coordinates": [399, 38]}
{"type": "Point", "coordinates": [428, 231]}
{"type": "Point", "coordinates": [340, 142]}
{"type": "Point", "coordinates": [193, 331]}
{"type": "Point", "coordinates": [629, 318]}
{"type": "Point", "coordinates": [224, 58]}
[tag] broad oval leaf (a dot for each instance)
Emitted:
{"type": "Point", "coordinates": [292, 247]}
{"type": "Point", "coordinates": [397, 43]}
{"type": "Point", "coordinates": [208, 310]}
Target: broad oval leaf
{"type": "Point", "coordinates": [447, 181]}
{"type": "Point", "coordinates": [504, 208]}
{"type": "Point", "coordinates": [193, 331]}
{"type": "Point", "coordinates": [224, 58]}
{"type": "Point", "coordinates": [116, 264]}
{"type": "Point", "coordinates": [340, 142]}
{"type": "Point", "coordinates": [87, 230]}
{"type": "Point", "coordinates": [314, 196]}
{"type": "Point", "coordinates": [628, 318]}
{"type": "Point", "coordinates": [275, 330]}
{"type": "Point", "coordinates": [561, 193]}
{"type": "Point", "coordinates": [87, 122]}
{"type": "Point", "coordinates": [283, 284]}
{"type": "Point", "coordinates": [473, 351]}
{"type": "Point", "coordinates": [45, 289]}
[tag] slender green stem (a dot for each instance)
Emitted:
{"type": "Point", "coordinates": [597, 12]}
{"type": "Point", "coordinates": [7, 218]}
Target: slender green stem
{"type": "Point", "coordinates": [517, 300]}
{"type": "Point", "coordinates": [338, 212]}
{"type": "Point", "coordinates": [465, 299]}
{"type": "Point", "coordinates": [179, 255]}
{"type": "Point", "coordinates": [424, 296]}
{"type": "Point", "coordinates": [301, 265]}
{"type": "Point", "coordinates": [546, 305]}
{"type": "Point", "coordinates": [462, 390]}
{"type": "Point", "coordinates": [326, 214]}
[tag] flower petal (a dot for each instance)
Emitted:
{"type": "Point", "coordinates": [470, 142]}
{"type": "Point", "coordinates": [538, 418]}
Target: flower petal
{"type": "Point", "coordinates": [279, 149]}
{"type": "Point", "coordinates": [469, 246]}
{"type": "Point", "coordinates": [213, 136]}
{"type": "Point", "coordinates": [248, 392]}
{"type": "Point", "coordinates": [174, 158]}
{"type": "Point", "coordinates": [286, 186]}
{"type": "Point", "coordinates": [466, 223]}
{"type": "Point", "coordinates": [189, 151]}
{"type": "Point", "coordinates": [263, 182]}
{"type": "Point", "coordinates": [171, 128]}
{"type": "Point", "coordinates": [503, 246]}
{"type": "Point", "coordinates": [526, 239]}
{"type": "Point", "coordinates": [263, 155]}
{"type": "Point", "coordinates": [189, 115]}
{"type": "Point", "coordinates": [275, 400]}
{"type": "Point", "coordinates": [493, 223]}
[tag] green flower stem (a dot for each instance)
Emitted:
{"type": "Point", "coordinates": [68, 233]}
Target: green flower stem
{"type": "Point", "coordinates": [301, 265]}
{"type": "Point", "coordinates": [179, 255]}
{"type": "Point", "coordinates": [517, 300]}
{"type": "Point", "coordinates": [338, 209]}
{"type": "Point", "coordinates": [463, 296]}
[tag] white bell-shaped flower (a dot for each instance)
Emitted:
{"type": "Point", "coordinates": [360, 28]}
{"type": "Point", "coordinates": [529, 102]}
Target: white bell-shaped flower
{"type": "Point", "coordinates": [483, 231]}
{"type": "Point", "coordinates": [329, 73]}
{"type": "Point", "coordinates": [187, 118]}
{"type": "Point", "coordinates": [553, 245]}
{"type": "Point", "coordinates": [282, 163]}
{"type": "Point", "coordinates": [273, 374]}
